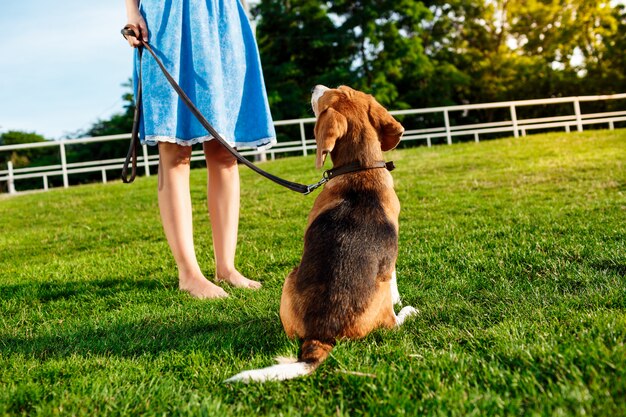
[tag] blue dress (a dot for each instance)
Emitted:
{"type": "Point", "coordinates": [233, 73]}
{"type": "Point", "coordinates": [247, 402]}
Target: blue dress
{"type": "Point", "coordinates": [209, 48]}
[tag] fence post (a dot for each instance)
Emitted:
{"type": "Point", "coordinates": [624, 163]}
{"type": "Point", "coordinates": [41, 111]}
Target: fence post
{"type": "Point", "coordinates": [303, 138]}
{"type": "Point", "coordinates": [514, 120]}
{"type": "Point", "coordinates": [145, 159]}
{"type": "Point", "coordinates": [446, 119]}
{"type": "Point", "coordinates": [104, 176]}
{"type": "Point", "coordinates": [63, 163]}
{"type": "Point", "coordinates": [579, 121]}
{"type": "Point", "coordinates": [10, 181]}
{"type": "Point", "coordinates": [45, 183]}
{"type": "Point", "coordinates": [261, 156]}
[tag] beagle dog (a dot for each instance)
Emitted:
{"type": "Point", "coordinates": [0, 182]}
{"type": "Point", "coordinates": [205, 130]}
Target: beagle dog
{"type": "Point", "coordinates": [345, 285]}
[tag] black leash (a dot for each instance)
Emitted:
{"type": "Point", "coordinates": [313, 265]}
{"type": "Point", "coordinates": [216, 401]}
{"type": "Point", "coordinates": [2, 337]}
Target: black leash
{"type": "Point", "coordinates": [132, 151]}
{"type": "Point", "coordinates": [134, 137]}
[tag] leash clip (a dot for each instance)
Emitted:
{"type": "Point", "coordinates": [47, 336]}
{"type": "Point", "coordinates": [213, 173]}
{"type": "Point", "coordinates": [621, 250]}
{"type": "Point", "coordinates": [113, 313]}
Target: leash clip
{"type": "Point", "coordinates": [313, 187]}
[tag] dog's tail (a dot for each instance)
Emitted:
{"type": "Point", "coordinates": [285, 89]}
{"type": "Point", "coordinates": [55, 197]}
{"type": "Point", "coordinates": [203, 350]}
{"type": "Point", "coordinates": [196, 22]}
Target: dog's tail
{"type": "Point", "coordinates": [312, 354]}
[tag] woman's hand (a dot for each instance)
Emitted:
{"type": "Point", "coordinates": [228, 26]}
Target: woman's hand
{"type": "Point", "coordinates": [138, 25]}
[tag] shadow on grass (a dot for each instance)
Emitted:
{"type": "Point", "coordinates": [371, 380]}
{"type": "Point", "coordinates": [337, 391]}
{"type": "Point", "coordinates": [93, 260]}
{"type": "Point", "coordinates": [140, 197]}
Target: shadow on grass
{"type": "Point", "coordinates": [55, 291]}
{"type": "Point", "coordinates": [131, 334]}
{"type": "Point", "coordinates": [135, 339]}
{"type": "Point", "coordinates": [146, 337]}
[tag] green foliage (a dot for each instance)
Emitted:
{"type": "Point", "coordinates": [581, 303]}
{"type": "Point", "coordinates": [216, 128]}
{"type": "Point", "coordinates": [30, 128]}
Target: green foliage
{"type": "Point", "coordinates": [389, 46]}
{"type": "Point", "coordinates": [412, 53]}
{"type": "Point", "coordinates": [118, 123]}
{"type": "Point", "coordinates": [25, 157]}
{"type": "Point", "coordinates": [513, 251]}
{"type": "Point", "coordinates": [605, 72]}
{"type": "Point", "coordinates": [13, 137]}
{"type": "Point", "coordinates": [300, 47]}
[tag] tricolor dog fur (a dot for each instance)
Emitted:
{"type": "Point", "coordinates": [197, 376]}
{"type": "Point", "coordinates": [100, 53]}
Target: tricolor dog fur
{"type": "Point", "coordinates": [345, 285]}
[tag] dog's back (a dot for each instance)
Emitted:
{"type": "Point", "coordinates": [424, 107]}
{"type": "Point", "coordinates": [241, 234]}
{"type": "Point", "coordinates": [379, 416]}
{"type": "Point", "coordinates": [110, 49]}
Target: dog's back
{"type": "Point", "coordinates": [348, 247]}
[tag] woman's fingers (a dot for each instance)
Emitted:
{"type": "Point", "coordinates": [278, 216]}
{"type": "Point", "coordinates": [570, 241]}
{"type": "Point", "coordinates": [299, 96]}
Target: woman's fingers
{"type": "Point", "coordinates": [140, 29]}
{"type": "Point", "coordinates": [144, 30]}
{"type": "Point", "coordinates": [132, 40]}
{"type": "Point", "coordinates": [137, 37]}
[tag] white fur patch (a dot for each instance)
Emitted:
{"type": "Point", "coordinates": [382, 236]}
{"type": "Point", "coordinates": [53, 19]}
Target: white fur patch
{"type": "Point", "coordinates": [285, 359]}
{"type": "Point", "coordinates": [278, 372]}
{"type": "Point", "coordinates": [395, 294]}
{"type": "Point", "coordinates": [318, 91]}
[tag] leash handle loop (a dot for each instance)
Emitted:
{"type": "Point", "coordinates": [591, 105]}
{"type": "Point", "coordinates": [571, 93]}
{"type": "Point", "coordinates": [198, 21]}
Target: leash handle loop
{"type": "Point", "coordinates": [131, 155]}
{"type": "Point", "coordinates": [128, 30]}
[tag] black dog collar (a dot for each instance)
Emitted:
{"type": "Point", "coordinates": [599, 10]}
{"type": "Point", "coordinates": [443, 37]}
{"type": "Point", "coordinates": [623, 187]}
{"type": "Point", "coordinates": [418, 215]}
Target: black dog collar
{"type": "Point", "coordinates": [355, 167]}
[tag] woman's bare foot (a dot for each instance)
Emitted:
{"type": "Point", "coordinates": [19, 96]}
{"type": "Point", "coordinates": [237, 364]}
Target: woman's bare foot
{"type": "Point", "coordinates": [201, 288]}
{"type": "Point", "coordinates": [235, 279]}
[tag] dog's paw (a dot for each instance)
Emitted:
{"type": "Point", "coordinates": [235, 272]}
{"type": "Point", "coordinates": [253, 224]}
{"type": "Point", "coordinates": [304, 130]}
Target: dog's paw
{"type": "Point", "coordinates": [404, 314]}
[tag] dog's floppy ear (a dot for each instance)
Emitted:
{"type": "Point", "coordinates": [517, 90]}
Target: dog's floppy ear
{"type": "Point", "coordinates": [388, 128]}
{"type": "Point", "coordinates": [331, 125]}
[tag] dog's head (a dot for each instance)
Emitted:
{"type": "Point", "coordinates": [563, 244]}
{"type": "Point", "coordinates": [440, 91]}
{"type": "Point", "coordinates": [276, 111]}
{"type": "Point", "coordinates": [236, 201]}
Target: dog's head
{"type": "Point", "coordinates": [353, 121]}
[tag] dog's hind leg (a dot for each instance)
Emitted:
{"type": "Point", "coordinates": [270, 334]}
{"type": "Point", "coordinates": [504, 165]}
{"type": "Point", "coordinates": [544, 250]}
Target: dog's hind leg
{"type": "Point", "coordinates": [395, 299]}
{"type": "Point", "coordinates": [395, 294]}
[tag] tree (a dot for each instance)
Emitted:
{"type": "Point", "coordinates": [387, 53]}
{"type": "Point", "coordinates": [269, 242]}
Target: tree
{"type": "Point", "coordinates": [300, 47]}
{"type": "Point", "coordinates": [605, 66]}
{"type": "Point", "coordinates": [119, 123]}
{"type": "Point", "coordinates": [389, 49]}
{"type": "Point", "coordinates": [23, 157]}
{"type": "Point", "coordinates": [26, 157]}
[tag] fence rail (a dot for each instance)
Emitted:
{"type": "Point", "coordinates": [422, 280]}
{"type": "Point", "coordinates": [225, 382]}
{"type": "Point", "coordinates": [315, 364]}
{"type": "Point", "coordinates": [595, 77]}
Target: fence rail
{"type": "Point", "coordinates": [513, 125]}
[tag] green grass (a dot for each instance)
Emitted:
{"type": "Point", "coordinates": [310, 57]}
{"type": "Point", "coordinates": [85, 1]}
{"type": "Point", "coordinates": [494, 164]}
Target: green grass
{"type": "Point", "coordinates": [514, 251]}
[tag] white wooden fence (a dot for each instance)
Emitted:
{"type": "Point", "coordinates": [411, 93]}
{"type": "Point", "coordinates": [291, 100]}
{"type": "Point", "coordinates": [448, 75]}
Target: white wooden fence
{"type": "Point", "coordinates": [512, 125]}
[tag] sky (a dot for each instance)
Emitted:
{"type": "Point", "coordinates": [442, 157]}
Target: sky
{"type": "Point", "coordinates": [62, 64]}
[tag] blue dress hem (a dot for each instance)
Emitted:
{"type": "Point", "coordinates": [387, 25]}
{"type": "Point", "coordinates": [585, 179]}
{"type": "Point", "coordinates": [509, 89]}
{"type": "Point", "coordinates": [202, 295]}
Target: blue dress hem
{"type": "Point", "coordinates": [153, 140]}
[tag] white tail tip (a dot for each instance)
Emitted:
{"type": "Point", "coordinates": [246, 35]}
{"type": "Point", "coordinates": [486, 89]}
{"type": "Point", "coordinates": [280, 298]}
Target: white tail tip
{"type": "Point", "coordinates": [278, 372]}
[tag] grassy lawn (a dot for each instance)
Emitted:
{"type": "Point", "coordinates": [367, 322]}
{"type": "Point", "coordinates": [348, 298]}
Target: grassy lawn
{"type": "Point", "coordinates": [514, 251]}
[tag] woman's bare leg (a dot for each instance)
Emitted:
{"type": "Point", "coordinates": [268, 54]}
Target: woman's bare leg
{"type": "Point", "coordinates": [223, 202]}
{"type": "Point", "coordinates": [175, 208]}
